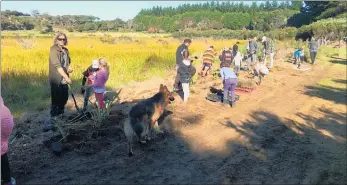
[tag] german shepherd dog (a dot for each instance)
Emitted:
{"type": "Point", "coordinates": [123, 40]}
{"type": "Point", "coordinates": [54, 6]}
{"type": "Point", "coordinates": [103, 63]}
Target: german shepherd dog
{"type": "Point", "coordinates": [144, 116]}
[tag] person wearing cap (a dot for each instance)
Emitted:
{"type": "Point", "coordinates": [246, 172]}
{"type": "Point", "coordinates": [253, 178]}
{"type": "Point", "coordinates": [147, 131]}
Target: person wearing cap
{"type": "Point", "coordinates": [89, 74]}
{"type": "Point", "coordinates": [207, 60]}
{"type": "Point", "coordinates": [268, 50]}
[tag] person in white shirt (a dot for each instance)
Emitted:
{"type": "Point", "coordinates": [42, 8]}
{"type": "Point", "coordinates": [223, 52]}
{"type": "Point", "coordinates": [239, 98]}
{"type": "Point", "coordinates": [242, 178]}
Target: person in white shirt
{"type": "Point", "coordinates": [237, 62]}
{"type": "Point", "coordinates": [260, 70]}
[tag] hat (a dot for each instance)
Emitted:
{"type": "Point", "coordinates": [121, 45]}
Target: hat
{"type": "Point", "coordinates": [263, 39]}
{"type": "Point", "coordinates": [95, 64]}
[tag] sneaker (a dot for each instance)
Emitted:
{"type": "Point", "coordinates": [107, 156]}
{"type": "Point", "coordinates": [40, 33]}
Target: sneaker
{"type": "Point", "coordinates": [225, 101]}
{"type": "Point", "coordinates": [233, 103]}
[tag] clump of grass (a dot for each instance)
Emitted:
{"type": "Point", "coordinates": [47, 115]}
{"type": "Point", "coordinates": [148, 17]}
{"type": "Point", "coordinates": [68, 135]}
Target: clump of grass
{"type": "Point", "coordinates": [99, 116]}
{"type": "Point", "coordinates": [107, 39]}
{"type": "Point", "coordinates": [246, 83]}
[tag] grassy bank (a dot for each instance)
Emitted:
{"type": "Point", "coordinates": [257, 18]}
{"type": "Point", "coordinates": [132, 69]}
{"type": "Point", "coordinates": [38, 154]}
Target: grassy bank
{"type": "Point", "coordinates": [25, 87]}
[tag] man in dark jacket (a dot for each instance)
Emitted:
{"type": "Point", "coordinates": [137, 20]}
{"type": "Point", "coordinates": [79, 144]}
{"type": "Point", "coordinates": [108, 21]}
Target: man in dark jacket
{"type": "Point", "coordinates": [313, 49]}
{"type": "Point", "coordinates": [89, 75]}
{"type": "Point", "coordinates": [227, 55]}
{"type": "Point", "coordinates": [59, 69]}
{"type": "Point", "coordinates": [179, 58]}
{"type": "Point", "coordinates": [235, 48]}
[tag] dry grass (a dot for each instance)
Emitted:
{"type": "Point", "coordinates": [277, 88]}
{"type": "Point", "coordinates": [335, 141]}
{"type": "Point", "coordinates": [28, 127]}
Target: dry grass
{"type": "Point", "coordinates": [25, 71]}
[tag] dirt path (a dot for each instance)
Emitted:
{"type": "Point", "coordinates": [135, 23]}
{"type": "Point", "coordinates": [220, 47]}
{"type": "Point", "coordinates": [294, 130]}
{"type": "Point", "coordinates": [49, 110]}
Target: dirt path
{"type": "Point", "coordinates": [284, 132]}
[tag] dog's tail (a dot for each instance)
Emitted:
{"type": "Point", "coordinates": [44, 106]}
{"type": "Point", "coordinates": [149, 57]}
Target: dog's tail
{"type": "Point", "coordinates": [138, 124]}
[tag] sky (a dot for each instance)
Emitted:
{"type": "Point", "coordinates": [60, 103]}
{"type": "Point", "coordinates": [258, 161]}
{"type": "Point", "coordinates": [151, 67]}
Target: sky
{"type": "Point", "coordinates": [105, 10]}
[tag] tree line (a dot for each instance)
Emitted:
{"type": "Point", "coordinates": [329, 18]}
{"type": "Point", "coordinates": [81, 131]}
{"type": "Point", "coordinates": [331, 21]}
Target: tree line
{"type": "Point", "coordinates": [273, 18]}
{"type": "Point", "coordinates": [223, 7]}
{"type": "Point", "coordinates": [13, 20]}
{"type": "Point", "coordinates": [207, 19]}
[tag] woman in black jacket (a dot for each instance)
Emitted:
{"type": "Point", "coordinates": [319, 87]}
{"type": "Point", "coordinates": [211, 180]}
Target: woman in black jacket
{"type": "Point", "coordinates": [186, 71]}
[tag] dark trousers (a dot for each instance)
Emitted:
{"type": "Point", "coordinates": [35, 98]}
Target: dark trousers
{"type": "Point", "coordinates": [313, 56]}
{"type": "Point", "coordinates": [59, 97]}
{"type": "Point", "coordinates": [5, 169]}
{"type": "Point", "coordinates": [177, 81]}
{"type": "Point", "coordinates": [229, 84]}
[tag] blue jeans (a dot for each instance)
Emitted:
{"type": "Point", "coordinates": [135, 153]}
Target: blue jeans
{"type": "Point", "coordinates": [251, 59]}
{"type": "Point", "coordinates": [87, 94]}
{"type": "Point", "coordinates": [237, 69]}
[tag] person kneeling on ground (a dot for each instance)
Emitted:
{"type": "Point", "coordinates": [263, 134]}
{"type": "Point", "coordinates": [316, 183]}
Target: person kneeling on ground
{"type": "Point", "coordinates": [6, 131]}
{"type": "Point", "coordinates": [101, 78]}
{"type": "Point", "coordinates": [207, 60]}
{"type": "Point", "coordinates": [260, 70]}
{"type": "Point", "coordinates": [229, 79]}
{"type": "Point", "coordinates": [89, 75]}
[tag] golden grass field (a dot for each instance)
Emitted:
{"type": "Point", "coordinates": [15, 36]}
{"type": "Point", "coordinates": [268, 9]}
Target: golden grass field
{"type": "Point", "coordinates": [25, 71]}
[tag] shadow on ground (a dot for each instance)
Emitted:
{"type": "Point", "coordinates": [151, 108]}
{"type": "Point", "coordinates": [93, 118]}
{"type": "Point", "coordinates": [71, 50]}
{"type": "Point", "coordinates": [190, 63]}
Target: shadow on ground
{"type": "Point", "coordinates": [337, 95]}
{"type": "Point", "coordinates": [284, 151]}
{"type": "Point", "coordinates": [265, 149]}
{"type": "Point", "coordinates": [338, 60]}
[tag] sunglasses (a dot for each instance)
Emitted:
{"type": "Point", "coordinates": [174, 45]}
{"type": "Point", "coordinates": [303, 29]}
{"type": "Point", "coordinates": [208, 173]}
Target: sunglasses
{"type": "Point", "coordinates": [60, 39]}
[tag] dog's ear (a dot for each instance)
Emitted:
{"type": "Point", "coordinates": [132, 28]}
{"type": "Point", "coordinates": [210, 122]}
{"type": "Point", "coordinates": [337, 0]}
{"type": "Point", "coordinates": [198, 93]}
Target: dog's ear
{"type": "Point", "coordinates": [165, 88]}
{"type": "Point", "coordinates": [161, 88]}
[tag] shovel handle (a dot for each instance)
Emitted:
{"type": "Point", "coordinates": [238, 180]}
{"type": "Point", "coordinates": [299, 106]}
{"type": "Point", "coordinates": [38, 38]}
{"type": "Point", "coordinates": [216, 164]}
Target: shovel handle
{"type": "Point", "coordinates": [73, 97]}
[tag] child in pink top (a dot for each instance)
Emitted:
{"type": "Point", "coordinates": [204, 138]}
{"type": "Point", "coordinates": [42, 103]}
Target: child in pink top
{"type": "Point", "coordinates": [100, 80]}
{"type": "Point", "coordinates": [6, 131]}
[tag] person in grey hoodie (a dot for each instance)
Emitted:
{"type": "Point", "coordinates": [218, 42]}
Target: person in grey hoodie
{"type": "Point", "coordinates": [252, 49]}
{"type": "Point", "coordinates": [313, 45]}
